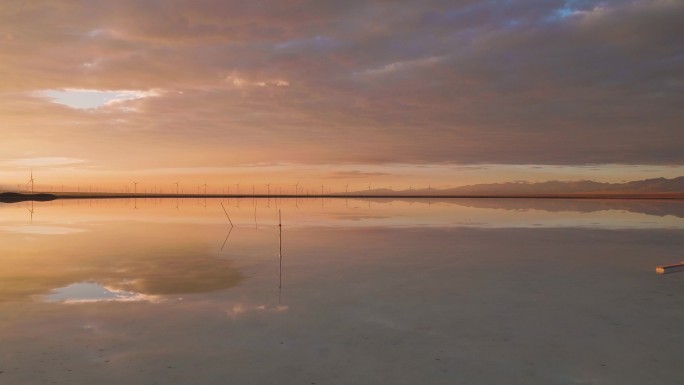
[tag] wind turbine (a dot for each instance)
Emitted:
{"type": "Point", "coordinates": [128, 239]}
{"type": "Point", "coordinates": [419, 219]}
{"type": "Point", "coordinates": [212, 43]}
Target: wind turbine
{"type": "Point", "coordinates": [268, 187]}
{"type": "Point", "coordinates": [31, 181]}
{"type": "Point", "coordinates": [346, 188]}
{"type": "Point", "coordinates": [238, 187]}
{"type": "Point", "coordinates": [296, 186]}
{"type": "Point", "coordinates": [135, 187]}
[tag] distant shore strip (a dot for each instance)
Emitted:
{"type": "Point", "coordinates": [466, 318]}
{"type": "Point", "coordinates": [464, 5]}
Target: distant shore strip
{"type": "Point", "coordinates": [11, 197]}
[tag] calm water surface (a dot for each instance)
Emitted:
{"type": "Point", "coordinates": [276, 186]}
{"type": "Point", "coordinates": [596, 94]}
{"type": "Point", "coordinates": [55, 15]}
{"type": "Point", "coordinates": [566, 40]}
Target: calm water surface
{"type": "Point", "coordinates": [366, 292]}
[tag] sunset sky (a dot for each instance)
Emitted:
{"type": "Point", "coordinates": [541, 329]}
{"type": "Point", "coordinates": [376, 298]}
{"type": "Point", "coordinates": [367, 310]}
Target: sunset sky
{"type": "Point", "coordinates": [383, 93]}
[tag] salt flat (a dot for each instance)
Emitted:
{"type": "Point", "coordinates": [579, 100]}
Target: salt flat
{"type": "Point", "coordinates": [368, 293]}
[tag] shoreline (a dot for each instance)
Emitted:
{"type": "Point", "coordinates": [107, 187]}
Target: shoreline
{"type": "Point", "coordinates": [12, 197]}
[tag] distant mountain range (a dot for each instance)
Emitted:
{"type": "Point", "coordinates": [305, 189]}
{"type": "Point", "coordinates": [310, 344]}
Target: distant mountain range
{"type": "Point", "coordinates": [646, 186]}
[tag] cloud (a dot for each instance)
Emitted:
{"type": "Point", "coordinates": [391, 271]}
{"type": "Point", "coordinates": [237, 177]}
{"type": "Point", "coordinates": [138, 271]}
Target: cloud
{"type": "Point", "coordinates": [91, 99]}
{"type": "Point", "coordinates": [355, 174]}
{"type": "Point", "coordinates": [241, 82]}
{"type": "Point", "coordinates": [419, 82]}
{"type": "Point", "coordinates": [43, 162]}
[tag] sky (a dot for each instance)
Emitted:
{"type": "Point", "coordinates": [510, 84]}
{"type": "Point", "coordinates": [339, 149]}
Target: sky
{"type": "Point", "coordinates": [361, 93]}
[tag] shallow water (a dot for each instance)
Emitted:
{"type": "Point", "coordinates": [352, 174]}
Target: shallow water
{"type": "Point", "coordinates": [368, 292]}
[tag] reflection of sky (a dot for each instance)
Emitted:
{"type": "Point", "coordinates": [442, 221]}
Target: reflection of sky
{"type": "Point", "coordinates": [356, 298]}
{"type": "Point", "coordinates": [63, 217]}
{"type": "Point", "coordinates": [78, 251]}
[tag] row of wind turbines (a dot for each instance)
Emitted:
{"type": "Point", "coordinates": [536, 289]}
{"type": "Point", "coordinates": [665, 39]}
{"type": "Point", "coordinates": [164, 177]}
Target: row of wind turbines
{"type": "Point", "coordinates": [298, 191]}
{"type": "Point", "coordinates": [237, 185]}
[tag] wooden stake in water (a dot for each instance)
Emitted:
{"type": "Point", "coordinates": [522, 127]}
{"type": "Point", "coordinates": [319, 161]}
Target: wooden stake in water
{"type": "Point", "coordinates": [670, 268]}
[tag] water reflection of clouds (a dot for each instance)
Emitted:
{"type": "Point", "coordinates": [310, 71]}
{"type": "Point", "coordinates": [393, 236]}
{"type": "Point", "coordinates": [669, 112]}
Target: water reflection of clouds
{"type": "Point", "coordinates": [241, 309]}
{"type": "Point", "coordinates": [89, 292]}
{"type": "Point", "coordinates": [41, 230]}
{"type": "Point", "coordinates": [350, 216]}
{"type": "Point", "coordinates": [121, 257]}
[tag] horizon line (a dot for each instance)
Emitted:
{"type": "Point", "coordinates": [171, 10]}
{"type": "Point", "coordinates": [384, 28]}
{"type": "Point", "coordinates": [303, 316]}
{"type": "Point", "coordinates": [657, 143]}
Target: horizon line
{"type": "Point", "coordinates": [89, 195]}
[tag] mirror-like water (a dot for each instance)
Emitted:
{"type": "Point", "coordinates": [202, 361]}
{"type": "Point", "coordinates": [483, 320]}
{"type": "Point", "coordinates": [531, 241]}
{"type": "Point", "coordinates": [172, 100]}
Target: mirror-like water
{"type": "Point", "coordinates": [401, 292]}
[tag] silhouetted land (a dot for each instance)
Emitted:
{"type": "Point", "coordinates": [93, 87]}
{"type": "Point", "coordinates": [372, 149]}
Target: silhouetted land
{"type": "Point", "coordinates": [11, 197]}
